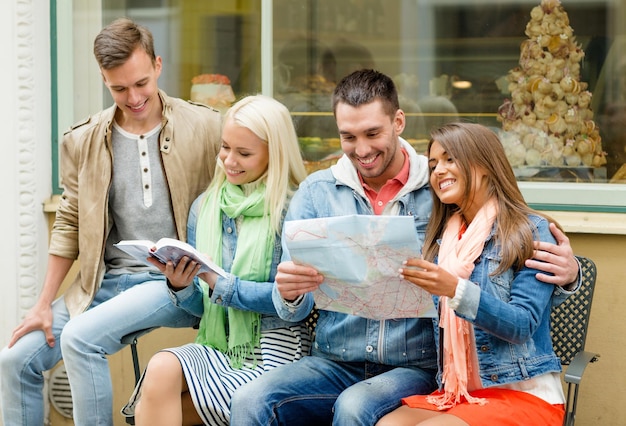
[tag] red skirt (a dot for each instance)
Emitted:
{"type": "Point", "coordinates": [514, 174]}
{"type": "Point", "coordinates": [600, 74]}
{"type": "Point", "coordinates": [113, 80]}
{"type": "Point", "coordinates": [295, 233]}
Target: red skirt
{"type": "Point", "coordinates": [505, 408]}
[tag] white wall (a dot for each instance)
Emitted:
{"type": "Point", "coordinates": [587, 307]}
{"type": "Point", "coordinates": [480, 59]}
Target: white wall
{"type": "Point", "coordinates": [25, 167]}
{"type": "Point", "coordinates": [8, 215]}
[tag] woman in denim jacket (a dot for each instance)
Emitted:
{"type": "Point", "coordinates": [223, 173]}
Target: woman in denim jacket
{"type": "Point", "coordinates": [496, 361]}
{"type": "Point", "coordinates": [237, 222]}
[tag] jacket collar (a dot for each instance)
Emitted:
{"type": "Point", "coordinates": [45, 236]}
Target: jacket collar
{"type": "Point", "coordinates": [166, 136]}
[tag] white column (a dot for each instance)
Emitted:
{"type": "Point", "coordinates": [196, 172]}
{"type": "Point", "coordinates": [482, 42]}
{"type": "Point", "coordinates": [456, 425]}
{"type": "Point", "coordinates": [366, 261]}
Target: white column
{"type": "Point", "coordinates": [25, 166]}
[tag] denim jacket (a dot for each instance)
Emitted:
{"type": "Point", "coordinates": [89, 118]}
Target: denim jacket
{"type": "Point", "coordinates": [511, 316]}
{"type": "Point", "coordinates": [399, 342]}
{"type": "Point", "coordinates": [231, 291]}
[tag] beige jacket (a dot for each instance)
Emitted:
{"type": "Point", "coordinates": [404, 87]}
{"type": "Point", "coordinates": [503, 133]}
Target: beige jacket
{"type": "Point", "coordinates": [189, 140]}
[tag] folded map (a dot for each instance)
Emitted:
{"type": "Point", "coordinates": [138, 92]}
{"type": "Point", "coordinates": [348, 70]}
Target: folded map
{"type": "Point", "coordinates": [359, 256]}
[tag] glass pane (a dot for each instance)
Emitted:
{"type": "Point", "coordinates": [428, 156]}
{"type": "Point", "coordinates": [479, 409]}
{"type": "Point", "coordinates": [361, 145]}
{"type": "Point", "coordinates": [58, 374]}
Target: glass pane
{"type": "Point", "coordinates": [198, 37]}
{"type": "Point", "coordinates": [454, 60]}
{"type": "Point", "coordinates": [450, 59]}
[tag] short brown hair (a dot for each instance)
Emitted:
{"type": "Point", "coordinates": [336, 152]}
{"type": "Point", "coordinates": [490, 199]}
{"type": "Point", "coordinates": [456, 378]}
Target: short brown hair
{"type": "Point", "coordinates": [118, 40]}
{"type": "Point", "coordinates": [365, 86]}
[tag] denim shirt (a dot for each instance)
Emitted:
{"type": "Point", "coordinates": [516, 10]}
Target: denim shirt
{"type": "Point", "coordinates": [511, 316]}
{"type": "Point", "coordinates": [231, 291]}
{"type": "Point", "coordinates": [343, 337]}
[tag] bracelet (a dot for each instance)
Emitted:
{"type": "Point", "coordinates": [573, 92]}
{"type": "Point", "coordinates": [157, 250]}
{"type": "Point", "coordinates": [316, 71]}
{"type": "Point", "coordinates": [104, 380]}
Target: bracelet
{"type": "Point", "coordinates": [171, 287]}
{"type": "Point", "coordinates": [295, 302]}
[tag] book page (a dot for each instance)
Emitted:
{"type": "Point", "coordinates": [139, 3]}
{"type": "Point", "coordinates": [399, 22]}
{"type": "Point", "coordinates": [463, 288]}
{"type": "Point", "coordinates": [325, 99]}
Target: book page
{"type": "Point", "coordinates": [139, 249]}
{"type": "Point", "coordinates": [168, 249]}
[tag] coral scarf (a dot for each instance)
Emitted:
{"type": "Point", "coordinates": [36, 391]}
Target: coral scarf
{"type": "Point", "coordinates": [457, 256]}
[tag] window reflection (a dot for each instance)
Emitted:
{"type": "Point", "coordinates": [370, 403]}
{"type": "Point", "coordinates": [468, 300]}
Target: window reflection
{"type": "Point", "coordinates": [450, 61]}
{"type": "Point", "coordinates": [199, 37]}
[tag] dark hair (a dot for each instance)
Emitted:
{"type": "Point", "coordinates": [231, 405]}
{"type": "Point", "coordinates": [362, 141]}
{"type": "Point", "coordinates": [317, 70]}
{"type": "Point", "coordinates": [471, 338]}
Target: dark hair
{"type": "Point", "coordinates": [365, 86]}
{"type": "Point", "coordinates": [118, 40]}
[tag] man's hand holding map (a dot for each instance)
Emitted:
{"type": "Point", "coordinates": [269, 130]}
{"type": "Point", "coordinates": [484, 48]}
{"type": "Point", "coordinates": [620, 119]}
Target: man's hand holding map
{"type": "Point", "coordinates": [359, 256]}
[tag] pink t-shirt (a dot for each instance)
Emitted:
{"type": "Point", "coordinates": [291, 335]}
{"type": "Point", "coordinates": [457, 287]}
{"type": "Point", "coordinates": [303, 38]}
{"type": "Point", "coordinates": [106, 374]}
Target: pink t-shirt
{"type": "Point", "coordinates": [390, 189]}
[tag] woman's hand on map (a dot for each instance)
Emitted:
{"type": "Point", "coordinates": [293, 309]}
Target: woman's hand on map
{"type": "Point", "coordinates": [429, 276]}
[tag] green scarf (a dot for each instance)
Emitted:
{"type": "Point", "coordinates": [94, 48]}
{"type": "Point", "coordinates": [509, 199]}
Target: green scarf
{"type": "Point", "coordinates": [252, 262]}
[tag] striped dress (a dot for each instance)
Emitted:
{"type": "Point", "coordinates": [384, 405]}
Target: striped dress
{"type": "Point", "coordinates": [211, 379]}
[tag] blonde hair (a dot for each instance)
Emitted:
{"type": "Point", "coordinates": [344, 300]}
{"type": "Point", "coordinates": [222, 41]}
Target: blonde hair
{"type": "Point", "coordinates": [271, 122]}
{"type": "Point", "coordinates": [474, 146]}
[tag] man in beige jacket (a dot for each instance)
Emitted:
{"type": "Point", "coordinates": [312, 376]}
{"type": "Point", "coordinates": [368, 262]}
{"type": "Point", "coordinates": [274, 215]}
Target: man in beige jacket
{"type": "Point", "coordinates": [128, 172]}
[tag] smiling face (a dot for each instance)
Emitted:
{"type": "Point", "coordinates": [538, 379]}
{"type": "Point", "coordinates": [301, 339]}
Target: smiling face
{"type": "Point", "coordinates": [133, 86]}
{"type": "Point", "coordinates": [245, 156]}
{"type": "Point", "coordinates": [450, 184]}
{"type": "Point", "coordinates": [369, 137]}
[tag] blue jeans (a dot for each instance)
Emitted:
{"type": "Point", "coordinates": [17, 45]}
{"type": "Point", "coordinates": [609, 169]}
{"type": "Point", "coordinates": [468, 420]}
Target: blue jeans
{"type": "Point", "coordinates": [318, 391]}
{"type": "Point", "coordinates": [141, 301]}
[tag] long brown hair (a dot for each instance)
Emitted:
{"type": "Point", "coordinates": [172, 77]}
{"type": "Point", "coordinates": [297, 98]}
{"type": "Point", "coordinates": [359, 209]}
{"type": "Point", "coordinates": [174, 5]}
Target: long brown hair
{"type": "Point", "coordinates": [475, 146]}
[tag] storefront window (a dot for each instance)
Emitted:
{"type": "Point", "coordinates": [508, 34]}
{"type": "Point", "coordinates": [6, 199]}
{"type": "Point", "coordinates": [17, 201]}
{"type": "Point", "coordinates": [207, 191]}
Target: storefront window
{"type": "Point", "coordinates": [195, 39]}
{"type": "Point", "coordinates": [547, 78]}
{"type": "Point", "coordinates": [199, 37]}
{"type": "Point", "coordinates": [550, 80]}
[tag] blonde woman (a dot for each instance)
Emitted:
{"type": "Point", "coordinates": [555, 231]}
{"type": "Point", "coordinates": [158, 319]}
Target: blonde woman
{"type": "Point", "coordinates": [237, 222]}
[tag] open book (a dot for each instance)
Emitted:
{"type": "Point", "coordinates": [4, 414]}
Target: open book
{"type": "Point", "coordinates": [168, 249]}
